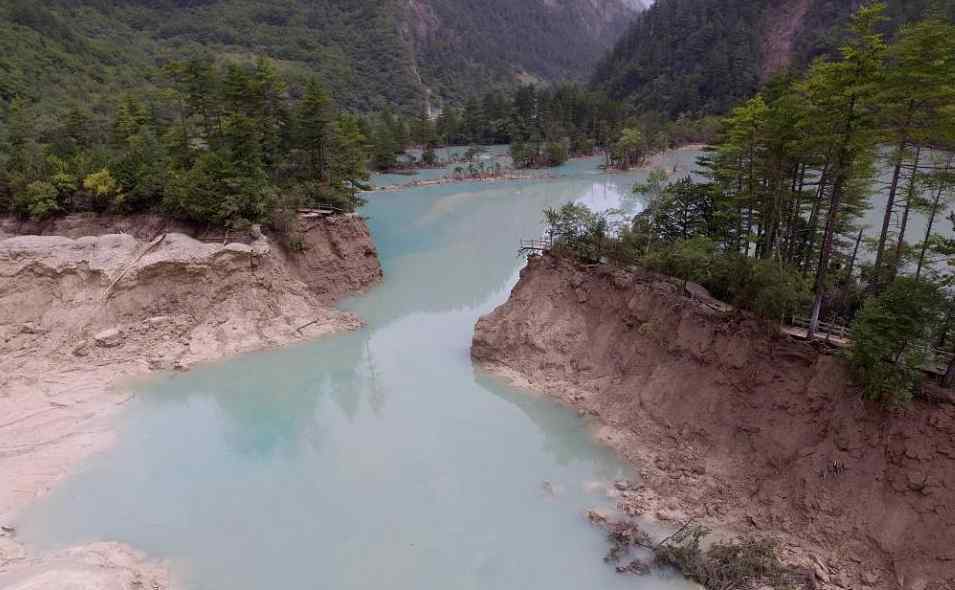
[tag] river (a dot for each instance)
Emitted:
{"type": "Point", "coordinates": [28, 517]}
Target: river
{"type": "Point", "coordinates": [376, 459]}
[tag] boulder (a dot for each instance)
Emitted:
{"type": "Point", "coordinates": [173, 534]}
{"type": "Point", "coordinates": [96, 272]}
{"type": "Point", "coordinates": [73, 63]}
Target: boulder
{"type": "Point", "coordinates": [110, 338]}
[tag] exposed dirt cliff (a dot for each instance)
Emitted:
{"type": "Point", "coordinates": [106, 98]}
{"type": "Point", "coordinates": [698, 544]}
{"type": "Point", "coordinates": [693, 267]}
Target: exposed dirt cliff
{"type": "Point", "coordinates": [779, 29]}
{"type": "Point", "coordinates": [735, 425]}
{"type": "Point", "coordinates": [86, 301]}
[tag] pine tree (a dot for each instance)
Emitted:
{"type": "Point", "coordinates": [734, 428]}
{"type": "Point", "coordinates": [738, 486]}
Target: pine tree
{"type": "Point", "coordinates": [915, 99]}
{"type": "Point", "coordinates": [842, 96]}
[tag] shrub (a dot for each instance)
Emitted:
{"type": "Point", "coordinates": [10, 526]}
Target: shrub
{"type": "Point", "coordinates": [689, 260]}
{"type": "Point", "coordinates": [886, 356]}
{"type": "Point", "coordinates": [104, 188]}
{"type": "Point", "coordinates": [556, 152]}
{"type": "Point", "coordinates": [38, 200]}
{"type": "Point", "coordinates": [773, 290]}
{"type": "Point", "coordinates": [742, 563]}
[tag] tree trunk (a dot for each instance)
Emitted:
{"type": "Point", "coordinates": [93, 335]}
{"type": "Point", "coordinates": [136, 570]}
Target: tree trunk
{"type": "Point", "coordinates": [855, 254]}
{"type": "Point", "coordinates": [900, 245]}
{"type": "Point", "coordinates": [809, 241]}
{"type": "Point", "coordinates": [791, 235]}
{"type": "Point", "coordinates": [749, 230]}
{"type": "Point", "coordinates": [946, 326]}
{"type": "Point", "coordinates": [838, 186]}
{"type": "Point", "coordinates": [825, 253]}
{"type": "Point", "coordinates": [931, 220]}
{"type": "Point", "coordinates": [949, 379]}
{"type": "Point", "coordinates": [887, 218]}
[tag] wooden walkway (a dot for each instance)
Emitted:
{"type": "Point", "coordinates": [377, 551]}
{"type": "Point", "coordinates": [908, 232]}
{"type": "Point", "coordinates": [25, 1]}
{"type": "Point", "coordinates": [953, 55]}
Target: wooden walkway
{"type": "Point", "coordinates": [323, 210]}
{"type": "Point", "coordinates": [936, 361]}
{"type": "Point", "coordinates": [535, 246]}
{"type": "Point", "coordinates": [831, 332]}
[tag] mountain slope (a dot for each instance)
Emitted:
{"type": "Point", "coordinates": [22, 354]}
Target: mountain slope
{"type": "Point", "coordinates": [704, 56]}
{"type": "Point", "coordinates": [370, 53]}
{"type": "Point", "coordinates": [459, 48]}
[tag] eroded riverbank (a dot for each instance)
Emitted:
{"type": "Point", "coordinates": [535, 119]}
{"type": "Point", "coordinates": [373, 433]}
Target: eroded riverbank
{"type": "Point", "coordinates": [733, 426]}
{"type": "Point", "coordinates": [377, 456]}
{"type": "Point", "coordinates": [89, 302]}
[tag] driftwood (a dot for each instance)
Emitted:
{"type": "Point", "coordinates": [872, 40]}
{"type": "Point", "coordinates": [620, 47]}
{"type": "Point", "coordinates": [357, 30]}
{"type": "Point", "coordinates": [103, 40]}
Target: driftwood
{"type": "Point", "coordinates": [742, 563]}
{"type": "Point", "coordinates": [303, 326]}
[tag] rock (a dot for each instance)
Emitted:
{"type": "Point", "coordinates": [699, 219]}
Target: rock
{"type": "Point", "coordinates": [82, 349]}
{"type": "Point", "coordinates": [157, 364]}
{"type": "Point", "coordinates": [621, 280]}
{"type": "Point", "coordinates": [635, 567]}
{"type": "Point", "coordinates": [110, 338]}
{"type": "Point", "coordinates": [598, 517]}
{"type": "Point", "coordinates": [870, 578]}
{"type": "Point", "coordinates": [671, 515]}
{"type": "Point", "coordinates": [821, 572]}
{"type": "Point", "coordinates": [698, 291]}
{"type": "Point", "coordinates": [551, 489]}
{"type": "Point", "coordinates": [916, 479]}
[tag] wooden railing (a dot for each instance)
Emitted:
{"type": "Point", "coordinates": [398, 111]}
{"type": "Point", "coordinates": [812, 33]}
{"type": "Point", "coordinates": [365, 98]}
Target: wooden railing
{"type": "Point", "coordinates": [322, 210]}
{"type": "Point", "coordinates": [935, 361]}
{"type": "Point", "coordinates": [827, 328]}
{"type": "Point", "coordinates": [531, 246]}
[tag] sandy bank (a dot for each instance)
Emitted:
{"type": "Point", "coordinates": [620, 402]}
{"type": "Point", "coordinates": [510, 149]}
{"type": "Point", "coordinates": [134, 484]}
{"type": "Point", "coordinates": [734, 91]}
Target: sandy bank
{"type": "Point", "coordinates": [88, 301]}
{"type": "Point", "coordinates": [735, 426]}
{"type": "Point", "coordinates": [507, 177]}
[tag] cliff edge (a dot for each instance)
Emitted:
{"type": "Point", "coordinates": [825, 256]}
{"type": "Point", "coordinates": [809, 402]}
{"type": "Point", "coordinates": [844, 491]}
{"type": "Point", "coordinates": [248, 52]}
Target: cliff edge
{"type": "Point", "coordinates": [736, 426]}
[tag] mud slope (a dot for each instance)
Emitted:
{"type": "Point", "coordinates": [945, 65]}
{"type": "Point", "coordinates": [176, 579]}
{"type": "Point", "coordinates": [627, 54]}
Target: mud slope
{"type": "Point", "coordinates": [87, 301]}
{"type": "Point", "coordinates": [736, 427]}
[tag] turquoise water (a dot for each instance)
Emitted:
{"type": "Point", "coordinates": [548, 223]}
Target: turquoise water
{"type": "Point", "coordinates": [376, 459]}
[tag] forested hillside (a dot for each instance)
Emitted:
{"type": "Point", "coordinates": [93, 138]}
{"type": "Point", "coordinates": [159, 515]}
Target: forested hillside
{"type": "Point", "coordinates": [368, 53]}
{"type": "Point", "coordinates": [461, 48]}
{"type": "Point", "coordinates": [704, 56]}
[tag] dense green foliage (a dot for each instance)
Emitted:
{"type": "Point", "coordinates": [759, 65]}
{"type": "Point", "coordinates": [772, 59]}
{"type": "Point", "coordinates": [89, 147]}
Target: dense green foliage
{"type": "Point", "coordinates": [704, 56]}
{"type": "Point", "coordinates": [883, 357]}
{"type": "Point", "coordinates": [768, 288]}
{"type": "Point", "coordinates": [686, 56]}
{"type": "Point", "coordinates": [544, 126]}
{"type": "Point", "coordinates": [63, 53]}
{"type": "Point", "coordinates": [778, 215]}
{"type": "Point", "coordinates": [368, 53]}
{"type": "Point", "coordinates": [220, 145]}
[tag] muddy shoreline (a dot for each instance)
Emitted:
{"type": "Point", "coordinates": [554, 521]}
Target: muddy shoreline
{"type": "Point", "coordinates": [91, 303]}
